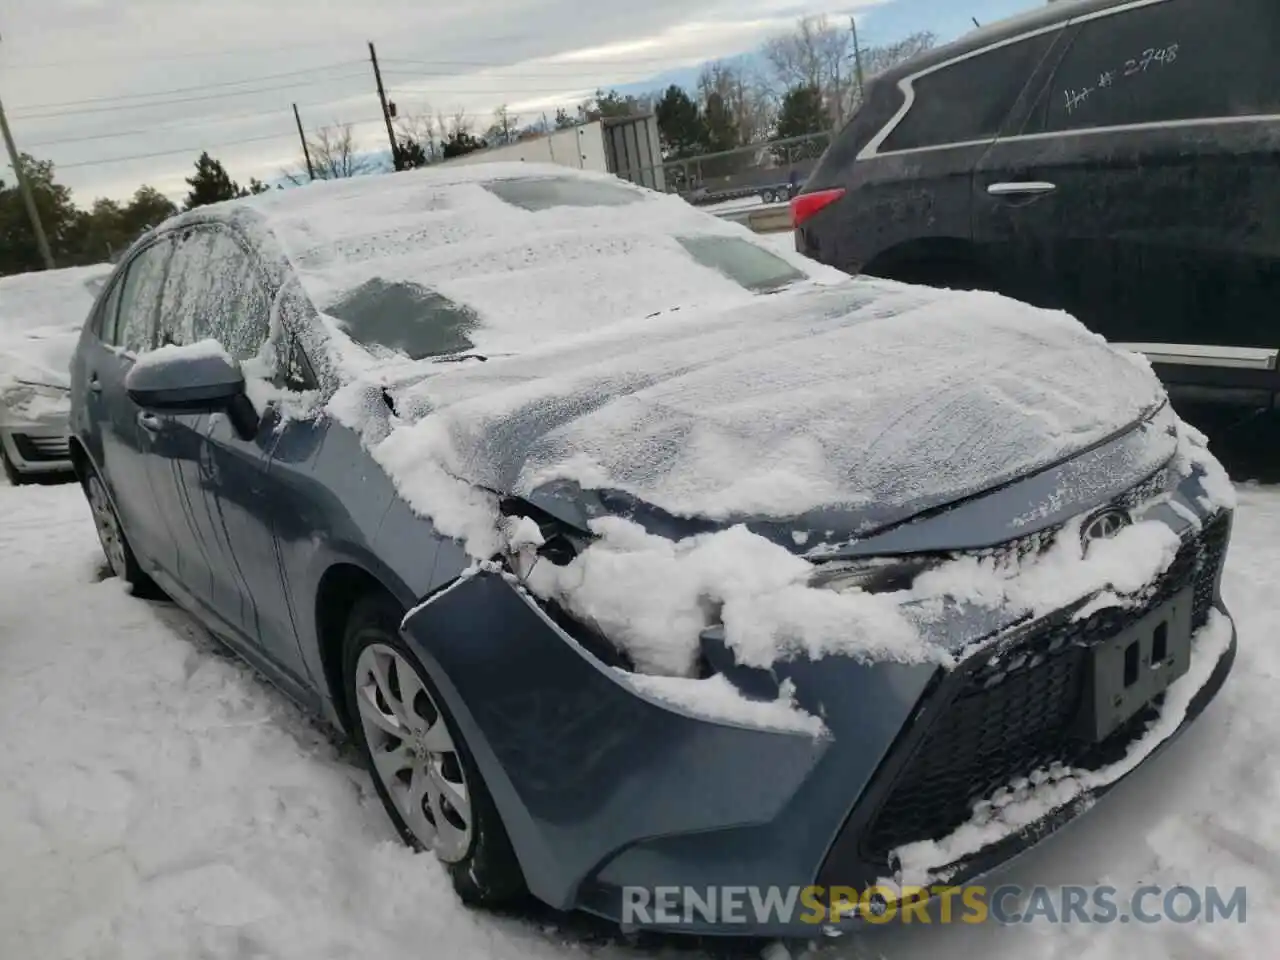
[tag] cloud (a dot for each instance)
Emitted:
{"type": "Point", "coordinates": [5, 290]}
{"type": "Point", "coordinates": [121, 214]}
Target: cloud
{"type": "Point", "coordinates": [122, 92]}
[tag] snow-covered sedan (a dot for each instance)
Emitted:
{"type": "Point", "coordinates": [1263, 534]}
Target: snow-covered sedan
{"type": "Point", "coordinates": [634, 554]}
{"type": "Point", "coordinates": [40, 319]}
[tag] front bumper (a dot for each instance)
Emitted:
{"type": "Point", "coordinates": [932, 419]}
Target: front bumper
{"type": "Point", "coordinates": [605, 791]}
{"type": "Point", "coordinates": [37, 448]}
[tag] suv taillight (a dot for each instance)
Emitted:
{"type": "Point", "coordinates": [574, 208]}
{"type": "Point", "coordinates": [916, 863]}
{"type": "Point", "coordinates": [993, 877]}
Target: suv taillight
{"type": "Point", "coordinates": [806, 205]}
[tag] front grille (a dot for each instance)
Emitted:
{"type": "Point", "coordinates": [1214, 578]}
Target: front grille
{"type": "Point", "coordinates": [41, 449]}
{"type": "Point", "coordinates": [1015, 712]}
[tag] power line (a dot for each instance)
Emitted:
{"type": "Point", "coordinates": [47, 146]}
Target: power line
{"type": "Point", "coordinates": [212, 96]}
{"type": "Point", "coordinates": [187, 55]}
{"type": "Point", "coordinates": [172, 153]}
{"type": "Point", "coordinates": [151, 131]}
{"type": "Point", "coordinates": [203, 86]}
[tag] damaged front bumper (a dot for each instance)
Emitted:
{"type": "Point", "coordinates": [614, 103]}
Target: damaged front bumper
{"type": "Point", "coordinates": [605, 791]}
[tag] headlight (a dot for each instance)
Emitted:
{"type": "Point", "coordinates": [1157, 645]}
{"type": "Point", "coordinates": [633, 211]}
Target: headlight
{"type": "Point", "coordinates": [875, 575]}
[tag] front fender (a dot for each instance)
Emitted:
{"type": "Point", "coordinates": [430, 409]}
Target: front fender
{"type": "Point", "coordinates": [580, 765]}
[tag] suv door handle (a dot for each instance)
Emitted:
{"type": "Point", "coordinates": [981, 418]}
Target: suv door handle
{"type": "Point", "coordinates": [149, 422]}
{"type": "Point", "coordinates": [1021, 188]}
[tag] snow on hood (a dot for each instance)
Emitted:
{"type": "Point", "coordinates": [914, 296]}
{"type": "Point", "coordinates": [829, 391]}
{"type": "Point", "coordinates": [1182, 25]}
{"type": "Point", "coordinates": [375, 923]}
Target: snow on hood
{"type": "Point", "coordinates": [865, 394]}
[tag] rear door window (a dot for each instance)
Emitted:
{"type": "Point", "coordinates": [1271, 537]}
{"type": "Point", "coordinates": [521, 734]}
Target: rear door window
{"type": "Point", "coordinates": [1168, 61]}
{"type": "Point", "coordinates": [969, 100]}
{"type": "Point", "coordinates": [743, 262]}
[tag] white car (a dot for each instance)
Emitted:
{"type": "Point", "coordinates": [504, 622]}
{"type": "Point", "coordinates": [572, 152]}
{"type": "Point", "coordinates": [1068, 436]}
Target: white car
{"type": "Point", "coordinates": [40, 319]}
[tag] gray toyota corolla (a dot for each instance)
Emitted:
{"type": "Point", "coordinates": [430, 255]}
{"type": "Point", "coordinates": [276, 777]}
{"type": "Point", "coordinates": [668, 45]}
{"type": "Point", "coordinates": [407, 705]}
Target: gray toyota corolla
{"type": "Point", "coordinates": [647, 564]}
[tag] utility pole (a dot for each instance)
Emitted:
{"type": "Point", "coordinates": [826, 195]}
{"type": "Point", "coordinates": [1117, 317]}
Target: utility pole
{"type": "Point", "coordinates": [857, 59]}
{"type": "Point", "coordinates": [839, 99]}
{"type": "Point", "coordinates": [386, 111]}
{"type": "Point", "coordinates": [306, 151]}
{"type": "Point", "coordinates": [28, 200]}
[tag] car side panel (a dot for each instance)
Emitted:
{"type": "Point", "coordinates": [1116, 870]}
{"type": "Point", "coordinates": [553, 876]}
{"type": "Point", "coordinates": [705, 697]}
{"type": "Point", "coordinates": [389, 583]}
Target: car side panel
{"type": "Point", "coordinates": [327, 499]}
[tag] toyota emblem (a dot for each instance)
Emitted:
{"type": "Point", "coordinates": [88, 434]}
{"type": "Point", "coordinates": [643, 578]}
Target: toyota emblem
{"type": "Point", "coordinates": [1104, 526]}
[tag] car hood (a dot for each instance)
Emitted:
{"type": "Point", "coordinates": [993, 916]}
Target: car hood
{"type": "Point", "coordinates": [828, 412]}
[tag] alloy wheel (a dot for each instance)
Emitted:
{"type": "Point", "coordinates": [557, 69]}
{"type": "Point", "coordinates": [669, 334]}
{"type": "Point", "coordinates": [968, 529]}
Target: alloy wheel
{"type": "Point", "coordinates": [413, 753]}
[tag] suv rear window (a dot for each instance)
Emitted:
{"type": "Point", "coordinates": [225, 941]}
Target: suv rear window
{"type": "Point", "coordinates": [405, 318]}
{"type": "Point", "coordinates": [543, 193]}
{"type": "Point", "coordinates": [744, 263]}
{"type": "Point", "coordinates": [969, 100]}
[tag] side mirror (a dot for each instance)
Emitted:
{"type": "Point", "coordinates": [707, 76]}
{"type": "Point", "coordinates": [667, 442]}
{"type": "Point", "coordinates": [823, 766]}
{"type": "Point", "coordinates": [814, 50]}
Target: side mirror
{"type": "Point", "coordinates": [191, 379]}
{"type": "Point", "coordinates": [200, 378]}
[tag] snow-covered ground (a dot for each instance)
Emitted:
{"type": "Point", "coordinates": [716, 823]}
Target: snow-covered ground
{"type": "Point", "coordinates": [157, 800]}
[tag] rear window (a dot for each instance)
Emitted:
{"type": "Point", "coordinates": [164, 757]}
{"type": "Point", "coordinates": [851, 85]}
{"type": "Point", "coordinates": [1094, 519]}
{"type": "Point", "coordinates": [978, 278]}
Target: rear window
{"type": "Point", "coordinates": [968, 100]}
{"type": "Point", "coordinates": [744, 263]}
{"type": "Point", "coordinates": [543, 193]}
{"type": "Point", "coordinates": [404, 318]}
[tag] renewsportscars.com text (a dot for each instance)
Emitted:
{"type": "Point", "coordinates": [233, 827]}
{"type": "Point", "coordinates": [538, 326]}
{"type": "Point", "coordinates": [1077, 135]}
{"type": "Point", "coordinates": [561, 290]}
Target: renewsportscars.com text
{"type": "Point", "coordinates": [675, 906]}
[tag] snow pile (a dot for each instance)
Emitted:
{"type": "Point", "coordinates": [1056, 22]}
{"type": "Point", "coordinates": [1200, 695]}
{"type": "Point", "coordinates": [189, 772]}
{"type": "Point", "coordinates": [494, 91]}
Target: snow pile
{"type": "Point", "coordinates": [653, 598]}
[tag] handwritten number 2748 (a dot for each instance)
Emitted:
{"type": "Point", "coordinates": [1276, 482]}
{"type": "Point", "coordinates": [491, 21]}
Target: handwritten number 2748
{"type": "Point", "coordinates": [1163, 56]}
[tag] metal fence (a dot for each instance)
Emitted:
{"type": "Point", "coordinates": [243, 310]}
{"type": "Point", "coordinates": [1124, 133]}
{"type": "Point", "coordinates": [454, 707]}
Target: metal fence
{"type": "Point", "coordinates": [772, 171]}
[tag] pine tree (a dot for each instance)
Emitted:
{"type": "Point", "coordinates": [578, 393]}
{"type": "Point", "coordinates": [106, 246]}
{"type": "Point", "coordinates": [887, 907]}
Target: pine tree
{"type": "Point", "coordinates": [680, 124]}
{"type": "Point", "coordinates": [802, 112]}
{"type": "Point", "coordinates": [211, 184]}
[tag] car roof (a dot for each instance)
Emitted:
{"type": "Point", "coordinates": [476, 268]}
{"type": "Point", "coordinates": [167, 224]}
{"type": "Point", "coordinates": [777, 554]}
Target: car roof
{"type": "Point", "coordinates": [1038, 18]}
{"type": "Point", "coordinates": [528, 273]}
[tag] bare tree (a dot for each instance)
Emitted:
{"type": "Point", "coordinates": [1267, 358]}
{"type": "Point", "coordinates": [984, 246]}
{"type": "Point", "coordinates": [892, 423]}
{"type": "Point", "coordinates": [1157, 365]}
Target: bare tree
{"type": "Point", "coordinates": [418, 137]}
{"type": "Point", "coordinates": [745, 95]}
{"type": "Point", "coordinates": [820, 54]}
{"type": "Point", "coordinates": [813, 55]}
{"type": "Point", "coordinates": [505, 127]}
{"type": "Point", "coordinates": [334, 156]}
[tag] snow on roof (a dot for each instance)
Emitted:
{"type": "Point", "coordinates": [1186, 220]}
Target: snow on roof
{"type": "Point", "coordinates": [529, 275]}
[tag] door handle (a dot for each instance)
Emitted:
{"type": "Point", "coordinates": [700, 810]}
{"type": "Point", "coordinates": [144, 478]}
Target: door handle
{"type": "Point", "coordinates": [149, 422]}
{"type": "Point", "coordinates": [94, 383]}
{"type": "Point", "coordinates": [1023, 188]}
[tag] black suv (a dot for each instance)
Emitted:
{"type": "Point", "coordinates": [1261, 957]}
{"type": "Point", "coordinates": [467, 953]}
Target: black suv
{"type": "Point", "coordinates": [1118, 159]}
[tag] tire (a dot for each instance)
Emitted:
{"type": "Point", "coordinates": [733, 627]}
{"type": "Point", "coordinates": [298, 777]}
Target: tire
{"type": "Point", "coordinates": [111, 536]}
{"type": "Point", "coordinates": [768, 196]}
{"type": "Point", "coordinates": [10, 471]}
{"type": "Point", "coordinates": [479, 859]}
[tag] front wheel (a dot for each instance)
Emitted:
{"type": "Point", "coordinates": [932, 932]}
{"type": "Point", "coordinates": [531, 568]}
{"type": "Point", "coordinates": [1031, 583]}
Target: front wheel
{"type": "Point", "coordinates": [424, 774]}
{"type": "Point", "coordinates": [115, 545]}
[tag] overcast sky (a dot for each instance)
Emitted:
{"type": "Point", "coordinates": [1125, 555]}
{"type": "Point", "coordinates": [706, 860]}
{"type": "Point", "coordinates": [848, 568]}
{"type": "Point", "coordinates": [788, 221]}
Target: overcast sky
{"type": "Point", "coordinates": [123, 92]}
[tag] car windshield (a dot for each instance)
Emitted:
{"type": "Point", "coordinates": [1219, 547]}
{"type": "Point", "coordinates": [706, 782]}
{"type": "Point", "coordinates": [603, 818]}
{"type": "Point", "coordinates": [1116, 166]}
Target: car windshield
{"type": "Point", "coordinates": [405, 318]}
{"type": "Point", "coordinates": [743, 262]}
